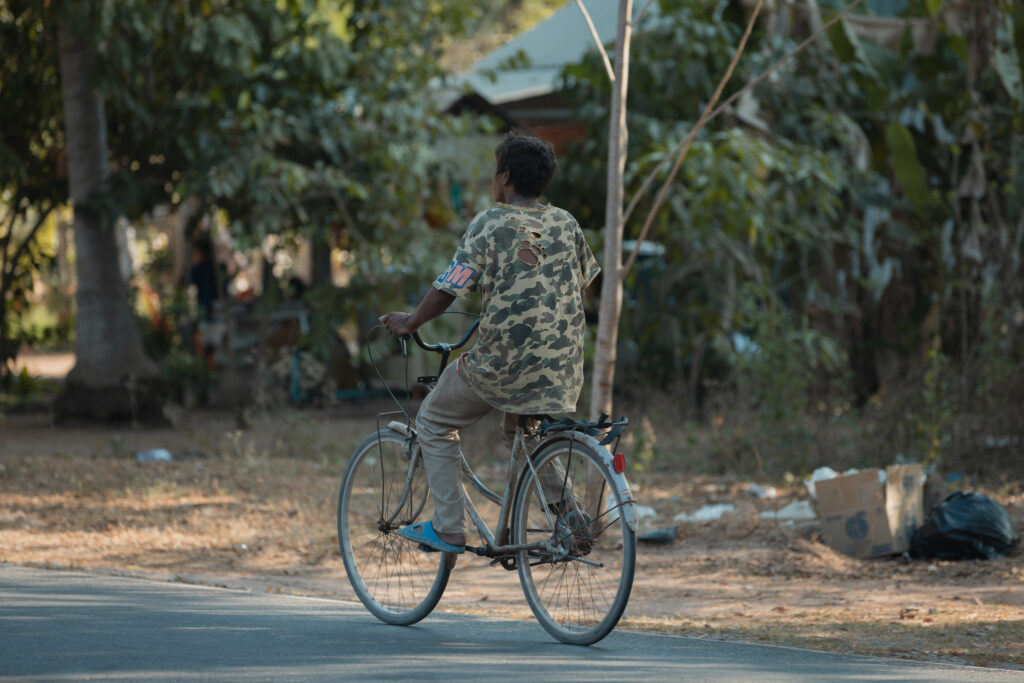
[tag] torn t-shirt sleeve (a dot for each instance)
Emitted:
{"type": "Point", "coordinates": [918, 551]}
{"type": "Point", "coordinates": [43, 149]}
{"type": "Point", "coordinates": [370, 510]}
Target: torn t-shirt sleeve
{"type": "Point", "coordinates": [465, 269]}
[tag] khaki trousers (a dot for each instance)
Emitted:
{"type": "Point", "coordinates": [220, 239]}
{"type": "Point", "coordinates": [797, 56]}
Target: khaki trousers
{"type": "Point", "coordinates": [449, 408]}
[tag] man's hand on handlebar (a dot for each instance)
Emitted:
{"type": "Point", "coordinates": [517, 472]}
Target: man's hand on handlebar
{"type": "Point", "coordinates": [434, 303]}
{"type": "Point", "coordinates": [397, 323]}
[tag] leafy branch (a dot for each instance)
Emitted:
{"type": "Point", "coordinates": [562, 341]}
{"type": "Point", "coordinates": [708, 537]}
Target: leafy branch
{"type": "Point", "coordinates": [710, 113]}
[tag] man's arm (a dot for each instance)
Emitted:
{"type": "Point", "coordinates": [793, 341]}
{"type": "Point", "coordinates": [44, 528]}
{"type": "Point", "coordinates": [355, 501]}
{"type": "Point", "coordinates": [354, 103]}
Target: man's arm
{"type": "Point", "coordinates": [434, 304]}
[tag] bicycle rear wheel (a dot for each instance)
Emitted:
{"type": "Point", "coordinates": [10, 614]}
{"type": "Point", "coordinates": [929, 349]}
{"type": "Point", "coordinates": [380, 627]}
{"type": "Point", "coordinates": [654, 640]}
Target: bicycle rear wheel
{"type": "Point", "coordinates": [578, 588]}
{"type": "Point", "coordinates": [385, 487]}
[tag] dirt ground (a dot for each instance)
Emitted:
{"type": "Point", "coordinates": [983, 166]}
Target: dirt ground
{"type": "Point", "coordinates": [254, 508]}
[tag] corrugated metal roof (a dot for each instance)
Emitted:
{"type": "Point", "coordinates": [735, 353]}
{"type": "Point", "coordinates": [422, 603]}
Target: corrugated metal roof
{"type": "Point", "coordinates": [560, 40]}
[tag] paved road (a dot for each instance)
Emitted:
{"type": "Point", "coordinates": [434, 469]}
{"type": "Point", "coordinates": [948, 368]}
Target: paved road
{"type": "Point", "coordinates": [66, 625]}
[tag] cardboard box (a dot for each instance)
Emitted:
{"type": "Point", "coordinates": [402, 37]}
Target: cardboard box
{"type": "Point", "coordinates": [863, 517]}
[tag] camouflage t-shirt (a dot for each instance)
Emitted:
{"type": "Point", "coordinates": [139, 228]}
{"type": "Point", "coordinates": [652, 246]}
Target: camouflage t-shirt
{"type": "Point", "coordinates": [530, 267]}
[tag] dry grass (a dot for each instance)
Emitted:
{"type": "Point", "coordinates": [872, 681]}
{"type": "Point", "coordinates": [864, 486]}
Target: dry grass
{"type": "Point", "coordinates": [255, 509]}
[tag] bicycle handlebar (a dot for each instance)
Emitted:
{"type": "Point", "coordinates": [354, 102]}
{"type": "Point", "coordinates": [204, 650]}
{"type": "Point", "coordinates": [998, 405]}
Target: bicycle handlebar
{"type": "Point", "coordinates": [441, 347]}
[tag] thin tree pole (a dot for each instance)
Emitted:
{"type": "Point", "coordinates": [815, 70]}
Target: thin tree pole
{"type": "Point", "coordinates": [611, 289]}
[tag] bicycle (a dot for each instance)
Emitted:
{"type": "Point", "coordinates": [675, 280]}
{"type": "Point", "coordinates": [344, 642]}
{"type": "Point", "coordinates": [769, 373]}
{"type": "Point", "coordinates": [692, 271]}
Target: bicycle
{"type": "Point", "coordinates": [566, 522]}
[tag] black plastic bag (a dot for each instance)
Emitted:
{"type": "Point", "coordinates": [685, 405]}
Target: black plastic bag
{"type": "Point", "coordinates": [965, 526]}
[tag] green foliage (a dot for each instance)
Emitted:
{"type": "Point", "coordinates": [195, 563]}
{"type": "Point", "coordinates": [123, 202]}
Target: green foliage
{"type": "Point", "coordinates": [860, 203]}
{"type": "Point", "coordinates": [909, 170]}
{"type": "Point", "coordinates": [24, 258]}
{"type": "Point", "coordinates": [267, 112]}
{"type": "Point", "coordinates": [934, 419]}
{"type": "Point", "coordinates": [297, 127]}
{"type": "Point", "coordinates": [31, 166]}
{"type": "Point", "coordinates": [748, 212]}
{"type": "Point", "coordinates": [785, 377]}
{"type": "Point", "coordinates": [183, 371]}
{"type": "Point", "coordinates": [293, 119]}
{"type": "Point", "coordinates": [24, 385]}
{"type": "Point", "coordinates": [31, 129]}
{"type": "Point", "coordinates": [674, 68]}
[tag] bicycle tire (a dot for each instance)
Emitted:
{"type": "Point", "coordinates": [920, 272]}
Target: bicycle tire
{"type": "Point", "coordinates": [574, 600]}
{"type": "Point", "coordinates": [397, 581]}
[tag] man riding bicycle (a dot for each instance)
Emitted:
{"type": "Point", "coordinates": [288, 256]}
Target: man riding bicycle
{"type": "Point", "coordinates": [530, 263]}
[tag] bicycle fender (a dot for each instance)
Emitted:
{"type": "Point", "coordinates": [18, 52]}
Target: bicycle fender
{"type": "Point", "coordinates": [628, 509]}
{"type": "Point", "coordinates": [402, 428]}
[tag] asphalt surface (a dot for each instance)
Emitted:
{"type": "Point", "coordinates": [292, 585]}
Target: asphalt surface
{"type": "Point", "coordinates": [75, 626]}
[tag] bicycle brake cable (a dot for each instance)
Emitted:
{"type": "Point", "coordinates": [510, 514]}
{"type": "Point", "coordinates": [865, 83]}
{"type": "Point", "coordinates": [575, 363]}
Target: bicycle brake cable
{"type": "Point", "coordinates": [387, 387]}
{"type": "Point", "coordinates": [407, 410]}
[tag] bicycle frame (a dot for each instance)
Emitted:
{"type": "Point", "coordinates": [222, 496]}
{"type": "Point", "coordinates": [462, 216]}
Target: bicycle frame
{"type": "Point", "coordinates": [492, 547]}
{"type": "Point", "coordinates": [497, 547]}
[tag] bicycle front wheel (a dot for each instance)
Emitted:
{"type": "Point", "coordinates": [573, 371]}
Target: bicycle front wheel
{"type": "Point", "coordinates": [385, 487]}
{"type": "Point", "coordinates": [578, 585]}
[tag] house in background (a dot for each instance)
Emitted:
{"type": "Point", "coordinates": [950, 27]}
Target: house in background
{"type": "Point", "coordinates": [526, 95]}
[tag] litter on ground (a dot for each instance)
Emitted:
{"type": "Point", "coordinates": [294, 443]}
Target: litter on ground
{"type": "Point", "coordinates": [705, 514]}
{"type": "Point", "coordinates": [798, 510]}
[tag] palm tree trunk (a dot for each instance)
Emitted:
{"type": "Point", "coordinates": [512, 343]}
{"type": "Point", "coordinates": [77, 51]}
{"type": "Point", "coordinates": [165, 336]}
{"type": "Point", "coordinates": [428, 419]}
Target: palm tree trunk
{"type": "Point", "coordinates": [113, 378]}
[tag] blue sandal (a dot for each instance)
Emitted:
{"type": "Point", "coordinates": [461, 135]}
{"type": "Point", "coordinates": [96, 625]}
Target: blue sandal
{"type": "Point", "coordinates": [424, 534]}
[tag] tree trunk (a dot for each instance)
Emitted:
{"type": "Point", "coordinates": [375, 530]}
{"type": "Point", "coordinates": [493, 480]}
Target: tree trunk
{"type": "Point", "coordinates": [611, 288]}
{"type": "Point", "coordinates": [113, 378]}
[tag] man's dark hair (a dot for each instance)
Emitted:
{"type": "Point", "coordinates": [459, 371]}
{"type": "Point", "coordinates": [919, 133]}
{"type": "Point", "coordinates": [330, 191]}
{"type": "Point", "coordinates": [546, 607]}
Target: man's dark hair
{"type": "Point", "coordinates": [530, 163]}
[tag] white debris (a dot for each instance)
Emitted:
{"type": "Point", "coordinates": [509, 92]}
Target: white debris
{"type": "Point", "coordinates": [819, 474]}
{"type": "Point", "coordinates": [798, 510]}
{"type": "Point", "coordinates": [643, 511]}
{"type": "Point", "coordinates": [155, 455]}
{"type": "Point", "coordinates": [705, 514]}
{"type": "Point", "coordinates": [1001, 441]}
{"type": "Point", "coordinates": [762, 491]}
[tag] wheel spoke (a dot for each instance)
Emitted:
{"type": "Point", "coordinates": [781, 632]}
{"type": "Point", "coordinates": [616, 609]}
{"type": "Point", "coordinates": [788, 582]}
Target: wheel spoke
{"type": "Point", "coordinates": [578, 596]}
{"type": "Point", "coordinates": [397, 582]}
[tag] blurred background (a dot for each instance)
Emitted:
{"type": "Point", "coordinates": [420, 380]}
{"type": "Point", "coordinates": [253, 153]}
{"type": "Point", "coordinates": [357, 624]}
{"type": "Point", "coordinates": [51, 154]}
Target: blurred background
{"type": "Point", "coordinates": [205, 205]}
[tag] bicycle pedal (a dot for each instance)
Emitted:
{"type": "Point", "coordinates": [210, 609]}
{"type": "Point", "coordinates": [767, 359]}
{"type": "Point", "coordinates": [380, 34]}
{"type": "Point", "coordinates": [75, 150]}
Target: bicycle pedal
{"type": "Point", "coordinates": [426, 548]}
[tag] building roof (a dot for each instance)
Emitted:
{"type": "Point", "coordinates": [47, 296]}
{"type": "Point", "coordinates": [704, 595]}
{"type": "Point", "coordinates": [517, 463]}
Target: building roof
{"type": "Point", "coordinates": [554, 43]}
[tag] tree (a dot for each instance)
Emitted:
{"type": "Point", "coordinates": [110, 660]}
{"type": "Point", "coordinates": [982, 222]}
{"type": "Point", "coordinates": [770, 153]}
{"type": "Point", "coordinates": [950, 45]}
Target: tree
{"type": "Point", "coordinates": [611, 300]}
{"type": "Point", "coordinates": [31, 184]}
{"type": "Point", "coordinates": [862, 204]}
{"type": "Point", "coordinates": [611, 286]}
{"type": "Point", "coordinates": [293, 119]}
{"type": "Point", "coordinates": [113, 378]}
